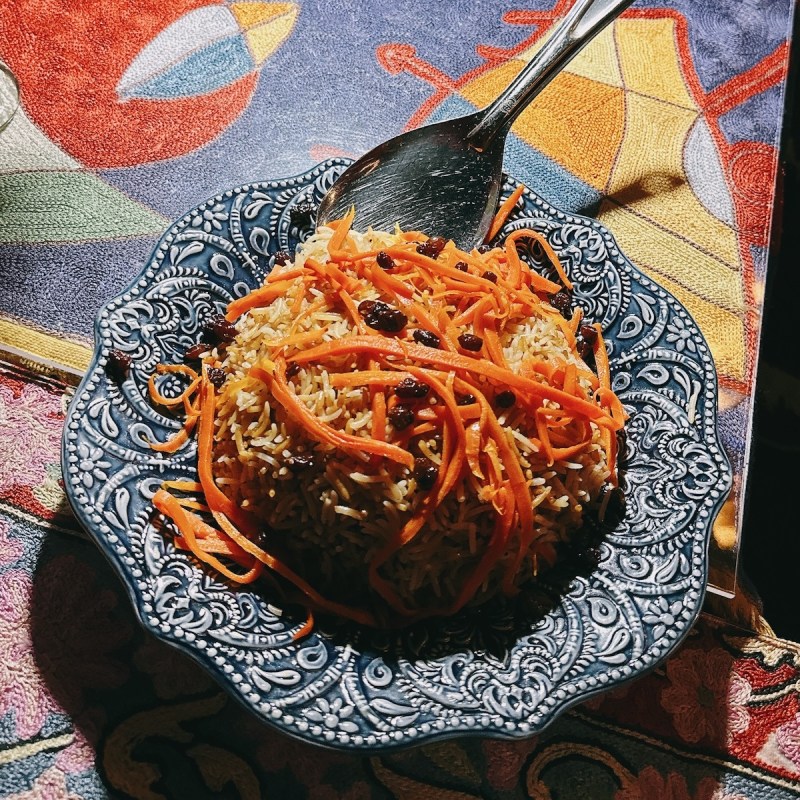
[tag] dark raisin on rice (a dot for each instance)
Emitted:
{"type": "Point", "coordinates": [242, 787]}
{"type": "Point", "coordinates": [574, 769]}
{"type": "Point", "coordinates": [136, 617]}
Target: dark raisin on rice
{"type": "Point", "coordinates": [282, 258]}
{"type": "Point", "coordinates": [428, 338]}
{"type": "Point", "coordinates": [505, 399]}
{"type": "Point", "coordinates": [381, 316]}
{"type": "Point", "coordinates": [425, 473]}
{"type": "Point", "coordinates": [292, 370]}
{"type": "Point", "coordinates": [484, 248]}
{"type": "Point", "coordinates": [489, 276]}
{"type": "Point", "coordinates": [118, 365]}
{"type": "Point", "coordinates": [462, 266]}
{"type": "Point", "coordinates": [411, 388]}
{"type": "Point", "coordinates": [432, 247]}
{"type": "Point", "coordinates": [465, 400]}
{"type": "Point", "coordinates": [195, 352]}
{"type": "Point", "coordinates": [216, 376]}
{"type": "Point", "coordinates": [562, 301]}
{"type": "Point", "coordinates": [401, 417]}
{"type": "Point", "coordinates": [471, 342]}
{"type": "Point", "coordinates": [385, 261]}
{"type": "Point", "coordinates": [218, 330]}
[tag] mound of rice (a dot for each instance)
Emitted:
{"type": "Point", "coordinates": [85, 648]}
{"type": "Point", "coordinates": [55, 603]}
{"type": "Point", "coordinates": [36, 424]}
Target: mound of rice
{"type": "Point", "coordinates": [328, 512]}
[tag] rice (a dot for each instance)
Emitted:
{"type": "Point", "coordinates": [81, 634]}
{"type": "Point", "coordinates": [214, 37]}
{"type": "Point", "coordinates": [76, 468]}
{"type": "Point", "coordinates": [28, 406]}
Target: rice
{"type": "Point", "coordinates": [329, 511]}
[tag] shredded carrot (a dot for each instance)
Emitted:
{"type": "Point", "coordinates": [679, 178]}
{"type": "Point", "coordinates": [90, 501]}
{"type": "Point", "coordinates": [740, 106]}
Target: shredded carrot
{"type": "Point", "coordinates": [601, 359]}
{"type": "Point", "coordinates": [258, 297]}
{"type": "Point", "coordinates": [529, 233]}
{"type": "Point", "coordinates": [377, 345]}
{"type": "Point", "coordinates": [506, 207]}
{"type": "Point", "coordinates": [186, 523]}
{"type": "Point", "coordinates": [182, 486]}
{"type": "Point", "coordinates": [172, 402]}
{"type": "Point", "coordinates": [305, 629]}
{"type": "Point", "coordinates": [178, 439]}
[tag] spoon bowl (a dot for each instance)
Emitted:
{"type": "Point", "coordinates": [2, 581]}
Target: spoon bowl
{"type": "Point", "coordinates": [429, 179]}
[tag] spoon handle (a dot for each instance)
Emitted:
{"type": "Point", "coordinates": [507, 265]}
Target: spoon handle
{"type": "Point", "coordinates": [583, 21]}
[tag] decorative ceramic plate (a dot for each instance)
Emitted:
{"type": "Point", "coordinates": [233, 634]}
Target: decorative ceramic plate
{"type": "Point", "coordinates": [351, 688]}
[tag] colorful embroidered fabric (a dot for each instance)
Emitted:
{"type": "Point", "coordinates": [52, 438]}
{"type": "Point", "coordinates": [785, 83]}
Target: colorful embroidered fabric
{"type": "Point", "coordinates": [666, 129]}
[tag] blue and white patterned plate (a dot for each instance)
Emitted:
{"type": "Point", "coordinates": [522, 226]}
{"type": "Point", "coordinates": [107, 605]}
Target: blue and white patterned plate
{"type": "Point", "coordinates": [357, 689]}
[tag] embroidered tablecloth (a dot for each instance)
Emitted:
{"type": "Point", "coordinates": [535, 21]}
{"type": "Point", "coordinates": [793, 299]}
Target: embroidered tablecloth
{"type": "Point", "coordinates": [665, 128]}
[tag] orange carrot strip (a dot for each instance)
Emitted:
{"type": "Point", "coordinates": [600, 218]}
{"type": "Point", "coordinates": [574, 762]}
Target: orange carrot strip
{"type": "Point", "coordinates": [337, 241]}
{"type": "Point", "coordinates": [371, 377]}
{"type": "Point", "coordinates": [182, 486]}
{"type": "Point", "coordinates": [178, 439]}
{"type": "Point", "coordinates": [505, 209]}
{"type": "Point", "coordinates": [283, 274]}
{"type": "Point", "coordinates": [320, 430]}
{"type": "Point", "coordinates": [378, 414]}
{"type": "Point", "coordinates": [389, 283]}
{"type": "Point", "coordinates": [529, 233]}
{"type": "Point", "coordinates": [216, 499]}
{"type": "Point", "coordinates": [537, 281]}
{"type": "Point", "coordinates": [571, 379]}
{"type": "Point", "coordinates": [560, 453]}
{"type": "Point", "coordinates": [544, 437]}
{"type": "Point", "coordinates": [300, 339]}
{"type": "Point", "coordinates": [601, 358]}
{"type": "Point", "coordinates": [425, 427]}
{"type": "Point", "coordinates": [171, 402]}
{"type": "Point", "coordinates": [305, 629]}
{"type": "Point", "coordinates": [258, 297]}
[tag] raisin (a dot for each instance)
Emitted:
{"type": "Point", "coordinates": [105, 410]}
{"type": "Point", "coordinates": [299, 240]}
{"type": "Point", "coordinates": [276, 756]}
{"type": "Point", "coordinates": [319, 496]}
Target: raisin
{"type": "Point", "coordinates": [563, 302]}
{"type": "Point", "coordinates": [292, 370]}
{"type": "Point", "coordinates": [118, 365]}
{"type": "Point", "coordinates": [426, 473]}
{"type": "Point", "coordinates": [195, 352]}
{"type": "Point", "coordinates": [432, 247]}
{"type": "Point", "coordinates": [401, 417]}
{"type": "Point", "coordinates": [381, 316]}
{"type": "Point", "coordinates": [466, 400]}
{"type": "Point", "coordinates": [589, 334]}
{"type": "Point", "coordinates": [471, 342]}
{"type": "Point", "coordinates": [412, 388]}
{"type": "Point", "coordinates": [303, 461]}
{"type": "Point", "coordinates": [462, 266]}
{"type": "Point", "coordinates": [218, 330]}
{"type": "Point", "coordinates": [302, 213]}
{"type": "Point", "coordinates": [484, 248]}
{"type": "Point", "coordinates": [505, 399]}
{"type": "Point", "coordinates": [489, 276]}
{"type": "Point", "coordinates": [385, 261]}
{"type": "Point", "coordinates": [216, 376]}
{"type": "Point", "coordinates": [428, 338]}
{"type": "Point", "coordinates": [282, 258]}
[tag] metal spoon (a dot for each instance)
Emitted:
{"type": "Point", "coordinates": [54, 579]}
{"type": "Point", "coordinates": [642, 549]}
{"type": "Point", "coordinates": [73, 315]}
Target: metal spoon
{"type": "Point", "coordinates": [445, 178]}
